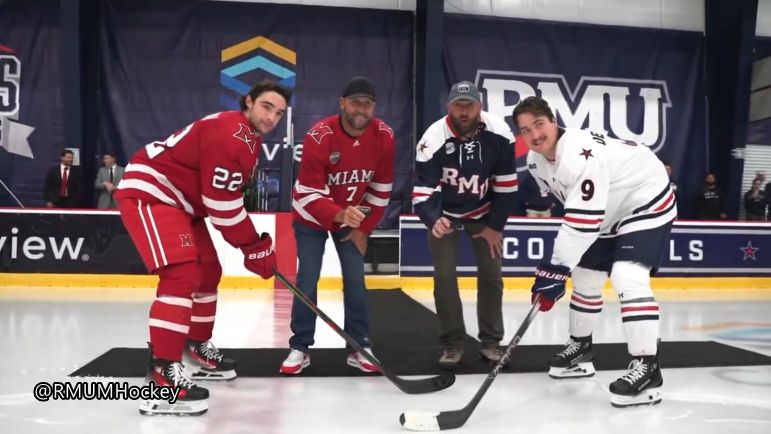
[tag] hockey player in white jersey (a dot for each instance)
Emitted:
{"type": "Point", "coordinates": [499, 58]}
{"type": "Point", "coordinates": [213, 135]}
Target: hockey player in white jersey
{"type": "Point", "coordinates": [619, 210]}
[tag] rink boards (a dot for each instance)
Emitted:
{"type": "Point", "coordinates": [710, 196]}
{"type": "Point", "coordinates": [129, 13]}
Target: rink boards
{"type": "Point", "coordinates": [91, 248]}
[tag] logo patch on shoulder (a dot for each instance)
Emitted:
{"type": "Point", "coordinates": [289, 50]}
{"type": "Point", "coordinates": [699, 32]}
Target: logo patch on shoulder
{"type": "Point", "coordinates": [319, 131]}
{"type": "Point", "coordinates": [386, 128]}
{"type": "Point", "coordinates": [247, 135]}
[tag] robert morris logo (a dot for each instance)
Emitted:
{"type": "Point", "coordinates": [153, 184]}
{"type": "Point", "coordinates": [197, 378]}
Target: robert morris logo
{"type": "Point", "coordinates": [13, 135]}
{"type": "Point", "coordinates": [628, 109]}
{"type": "Point", "coordinates": [36, 248]}
{"type": "Point", "coordinates": [247, 61]}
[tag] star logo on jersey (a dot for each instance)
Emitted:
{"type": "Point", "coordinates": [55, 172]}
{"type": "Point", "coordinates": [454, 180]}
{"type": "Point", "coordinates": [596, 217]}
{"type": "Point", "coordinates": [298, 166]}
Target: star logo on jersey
{"type": "Point", "coordinates": [586, 153]}
{"type": "Point", "coordinates": [749, 251]}
{"type": "Point", "coordinates": [318, 132]}
{"type": "Point", "coordinates": [247, 135]}
{"type": "Point", "coordinates": [422, 147]}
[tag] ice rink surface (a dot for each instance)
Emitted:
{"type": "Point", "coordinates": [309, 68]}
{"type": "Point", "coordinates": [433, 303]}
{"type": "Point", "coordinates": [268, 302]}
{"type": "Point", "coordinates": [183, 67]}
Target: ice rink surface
{"type": "Point", "coordinates": [48, 333]}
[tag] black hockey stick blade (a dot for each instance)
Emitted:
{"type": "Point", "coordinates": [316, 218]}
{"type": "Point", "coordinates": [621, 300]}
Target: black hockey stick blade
{"type": "Point", "coordinates": [416, 386]}
{"type": "Point", "coordinates": [433, 421]}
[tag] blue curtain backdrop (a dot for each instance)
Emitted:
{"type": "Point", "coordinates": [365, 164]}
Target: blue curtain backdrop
{"type": "Point", "coordinates": [31, 130]}
{"type": "Point", "coordinates": [645, 85]}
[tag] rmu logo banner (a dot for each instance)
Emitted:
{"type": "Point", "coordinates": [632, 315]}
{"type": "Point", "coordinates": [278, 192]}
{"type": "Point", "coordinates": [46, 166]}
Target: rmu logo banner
{"type": "Point", "coordinates": [628, 109]}
{"type": "Point", "coordinates": [13, 135]}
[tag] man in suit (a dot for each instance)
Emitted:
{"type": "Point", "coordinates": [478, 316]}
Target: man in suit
{"type": "Point", "coordinates": [62, 183]}
{"type": "Point", "coordinates": [106, 179]}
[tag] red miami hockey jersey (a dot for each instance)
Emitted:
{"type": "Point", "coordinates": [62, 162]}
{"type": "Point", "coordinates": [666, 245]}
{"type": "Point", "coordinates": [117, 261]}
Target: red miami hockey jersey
{"type": "Point", "coordinates": [200, 169]}
{"type": "Point", "coordinates": [338, 170]}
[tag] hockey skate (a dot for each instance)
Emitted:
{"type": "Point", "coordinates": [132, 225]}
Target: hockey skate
{"type": "Point", "coordinates": [574, 361]}
{"type": "Point", "coordinates": [640, 386]}
{"type": "Point", "coordinates": [191, 400]}
{"type": "Point", "coordinates": [204, 361]}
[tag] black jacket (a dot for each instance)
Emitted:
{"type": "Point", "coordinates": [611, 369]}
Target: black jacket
{"type": "Point", "coordinates": [53, 181]}
{"type": "Point", "coordinates": [709, 204]}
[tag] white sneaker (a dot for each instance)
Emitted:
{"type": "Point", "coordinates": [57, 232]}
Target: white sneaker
{"type": "Point", "coordinates": [295, 362]}
{"type": "Point", "coordinates": [356, 360]}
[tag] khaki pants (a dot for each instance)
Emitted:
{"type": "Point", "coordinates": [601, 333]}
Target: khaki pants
{"type": "Point", "coordinates": [444, 253]}
{"type": "Point", "coordinates": [535, 213]}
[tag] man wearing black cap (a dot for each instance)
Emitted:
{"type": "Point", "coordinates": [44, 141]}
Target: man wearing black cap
{"type": "Point", "coordinates": [343, 187]}
{"type": "Point", "coordinates": [466, 179]}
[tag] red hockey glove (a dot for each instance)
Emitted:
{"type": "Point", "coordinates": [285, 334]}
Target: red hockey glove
{"type": "Point", "coordinates": [259, 258]}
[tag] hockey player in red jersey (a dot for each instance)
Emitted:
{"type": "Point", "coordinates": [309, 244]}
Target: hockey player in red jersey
{"type": "Point", "coordinates": [167, 190]}
{"type": "Point", "coordinates": [343, 187]}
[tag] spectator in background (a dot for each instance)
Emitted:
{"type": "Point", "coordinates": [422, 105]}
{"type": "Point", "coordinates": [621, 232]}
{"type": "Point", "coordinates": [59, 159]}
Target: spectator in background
{"type": "Point", "coordinates": [106, 179]}
{"type": "Point", "coordinates": [62, 183]}
{"type": "Point", "coordinates": [709, 204]}
{"type": "Point", "coordinates": [761, 175]}
{"type": "Point", "coordinates": [755, 201]}
{"type": "Point", "coordinates": [537, 203]}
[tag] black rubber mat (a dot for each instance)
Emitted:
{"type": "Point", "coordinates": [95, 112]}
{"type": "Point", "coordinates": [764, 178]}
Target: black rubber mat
{"type": "Point", "coordinates": [405, 339]}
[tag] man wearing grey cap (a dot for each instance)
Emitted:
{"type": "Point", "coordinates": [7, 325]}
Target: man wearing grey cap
{"type": "Point", "coordinates": [466, 181]}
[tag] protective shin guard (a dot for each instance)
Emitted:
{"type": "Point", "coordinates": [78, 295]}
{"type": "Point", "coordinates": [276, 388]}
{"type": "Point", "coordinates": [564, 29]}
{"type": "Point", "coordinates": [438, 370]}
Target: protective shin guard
{"type": "Point", "coordinates": [586, 301]}
{"type": "Point", "coordinates": [171, 310]}
{"type": "Point", "coordinates": [639, 309]}
{"type": "Point", "coordinates": [205, 303]}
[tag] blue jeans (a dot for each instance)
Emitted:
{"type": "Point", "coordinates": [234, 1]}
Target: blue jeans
{"type": "Point", "coordinates": [310, 250]}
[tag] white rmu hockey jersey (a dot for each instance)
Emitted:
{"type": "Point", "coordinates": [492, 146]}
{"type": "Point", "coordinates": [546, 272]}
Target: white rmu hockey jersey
{"type": "Point", "coordinates": [609, 187]}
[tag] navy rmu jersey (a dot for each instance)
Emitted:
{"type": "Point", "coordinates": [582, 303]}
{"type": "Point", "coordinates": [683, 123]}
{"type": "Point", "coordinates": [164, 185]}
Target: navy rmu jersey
{"type": "Point", "coordinates": [609, 187]}
{"type": "Point", "coordinates": [465, 179]}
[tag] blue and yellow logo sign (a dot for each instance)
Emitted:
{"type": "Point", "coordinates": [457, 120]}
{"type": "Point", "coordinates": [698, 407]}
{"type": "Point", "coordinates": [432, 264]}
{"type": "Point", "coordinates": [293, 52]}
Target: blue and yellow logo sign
{"type": "Point", "coordinates": [256, 54]}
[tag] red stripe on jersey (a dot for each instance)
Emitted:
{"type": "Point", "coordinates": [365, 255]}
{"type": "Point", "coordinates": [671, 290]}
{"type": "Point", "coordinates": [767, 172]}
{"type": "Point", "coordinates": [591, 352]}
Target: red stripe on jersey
{"type": "Point", "coordinates": [478, 212]}
{"type": "Point", "coordinates": [666, 202]}
{"type": "Point", "coordinates": [583, 221]}
{"type": "Point", "coordinates": [638, 308]}
{"type": "Point", "coordinates": [511, 183]}
{"type": "Point", "coordinates": [414, 194]}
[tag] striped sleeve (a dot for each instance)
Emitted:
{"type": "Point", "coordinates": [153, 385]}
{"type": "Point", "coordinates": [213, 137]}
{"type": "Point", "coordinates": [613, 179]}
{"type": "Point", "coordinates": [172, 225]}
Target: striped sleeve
{"type": "Point", "coordinates": [427, 192]}
{"type": "Point", "coordinates": [378, 192]}
{"type": "Point", "coordinates": [222, 177]}
{"type": "Point", "coordinates": [311, 196]}
{"type": "Point", "coordinates": [504, 186]}
{"type": "Point", "coordinates": [587, 196]}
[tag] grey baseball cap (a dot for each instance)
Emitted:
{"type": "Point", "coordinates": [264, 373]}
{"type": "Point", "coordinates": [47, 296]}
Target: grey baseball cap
{"type": "Point", "coordinates": [464, 90]}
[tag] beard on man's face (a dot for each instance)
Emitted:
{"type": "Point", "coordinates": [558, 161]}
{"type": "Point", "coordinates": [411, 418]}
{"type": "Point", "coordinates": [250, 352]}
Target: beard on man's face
{"type": "Point", "coordinates": [464, 125]}
{"type": "Point", "coordinates": [358, 121]}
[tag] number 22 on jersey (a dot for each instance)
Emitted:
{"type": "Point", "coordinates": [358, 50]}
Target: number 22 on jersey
{"type": "Point", "coordinates": [156, 148]}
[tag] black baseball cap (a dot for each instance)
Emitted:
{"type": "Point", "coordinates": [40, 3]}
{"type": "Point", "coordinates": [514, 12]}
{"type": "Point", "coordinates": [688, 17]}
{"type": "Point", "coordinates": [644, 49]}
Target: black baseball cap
{"type": "Point", "coordinates": [359, 86]}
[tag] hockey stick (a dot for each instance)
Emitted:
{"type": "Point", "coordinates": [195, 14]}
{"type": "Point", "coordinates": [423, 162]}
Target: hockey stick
{"type": "Point", "coordinates": [424, 385]}
{"type": "Point", "coordinates": [426, 421]}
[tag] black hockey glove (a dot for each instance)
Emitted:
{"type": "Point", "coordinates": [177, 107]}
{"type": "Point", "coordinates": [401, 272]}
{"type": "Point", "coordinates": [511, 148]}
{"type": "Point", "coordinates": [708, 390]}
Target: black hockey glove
{"type": "Point", "coordinates": [550, 283]}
